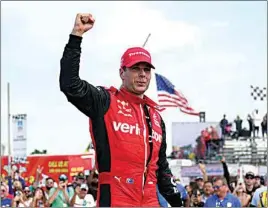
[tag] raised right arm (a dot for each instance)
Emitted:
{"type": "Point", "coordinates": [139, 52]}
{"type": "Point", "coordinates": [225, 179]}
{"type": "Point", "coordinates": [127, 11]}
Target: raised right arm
{"type": "Point", "coordinates": [90, 100]}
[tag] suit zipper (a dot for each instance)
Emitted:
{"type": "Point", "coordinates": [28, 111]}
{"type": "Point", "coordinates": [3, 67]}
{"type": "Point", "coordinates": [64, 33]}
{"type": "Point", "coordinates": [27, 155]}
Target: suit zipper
{"type": "Point", "coordinates": [145, 148]}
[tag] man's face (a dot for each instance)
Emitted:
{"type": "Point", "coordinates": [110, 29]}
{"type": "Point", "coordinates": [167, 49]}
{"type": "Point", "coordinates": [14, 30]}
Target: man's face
{"type": "Point", "coordinates": [3, 192]}
{"type": "Point", "coordinates": [80, 180]}
{"type": "Point", "coordinates": [196, 197]}
{"type": "Point", "coordinates": [249, 180]}
{"type": "Point", "coordinates": [136, 79]}
{"type": "Point", "coordinates": [49, 183]}
{"type": "Point", "coordinates": [257, 182]}
{"type": "Point", "coordinates": [83, 192]}
{"type": "Point", "coordinates": [219, 188]}
{"type": "Point", "coordinates": [208, 188]}
{"type": "Point", "coordinates": [200, 183]}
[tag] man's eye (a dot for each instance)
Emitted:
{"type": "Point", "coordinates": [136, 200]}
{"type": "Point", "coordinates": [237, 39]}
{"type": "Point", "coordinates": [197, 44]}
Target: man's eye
{"type": "Point", "coordinates": [147, 69]}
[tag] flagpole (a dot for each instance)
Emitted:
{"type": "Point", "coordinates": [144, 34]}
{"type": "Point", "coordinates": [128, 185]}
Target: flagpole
{"type": "Point", "coordinates": [8, 127]}
{"type": "Point", "coordinates": [146, 40]}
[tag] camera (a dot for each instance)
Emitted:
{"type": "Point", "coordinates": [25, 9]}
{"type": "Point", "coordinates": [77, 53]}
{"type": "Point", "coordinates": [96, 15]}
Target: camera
{"type": "Point", "coordinates": [17, 193]}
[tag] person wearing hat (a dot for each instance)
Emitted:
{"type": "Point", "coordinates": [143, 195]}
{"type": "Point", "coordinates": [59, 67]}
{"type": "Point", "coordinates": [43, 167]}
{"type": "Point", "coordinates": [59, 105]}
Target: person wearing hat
{"type": "Point", "coordinates": [81, 198]}
{"type": "Point", "coordinates": [127, 130]}
{"type": "Point", "coordinates": [60, 196]}
{"type": "Point", "coordinates": [260, 196]}
{"type": "Point", "coordinates": [80, 178]}
{"type": "Point", "coordinates": [249, 182]}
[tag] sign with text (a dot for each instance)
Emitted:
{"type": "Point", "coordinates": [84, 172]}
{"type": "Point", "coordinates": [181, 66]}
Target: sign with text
{"type": "Point", "coordinates": [53, 166]}
{"type": "Point", "coordinates": [19, 135]}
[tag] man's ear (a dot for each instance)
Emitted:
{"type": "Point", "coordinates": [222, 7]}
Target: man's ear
{"type": "Point", "coordinates": [122, 73]}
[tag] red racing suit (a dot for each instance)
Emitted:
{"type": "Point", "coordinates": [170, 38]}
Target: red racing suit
{"type": "Point", "coordinates": [128, 135]}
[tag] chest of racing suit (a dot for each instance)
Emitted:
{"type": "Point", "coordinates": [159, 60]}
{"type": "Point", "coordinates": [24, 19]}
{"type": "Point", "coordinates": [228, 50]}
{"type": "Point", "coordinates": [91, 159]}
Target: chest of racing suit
{"type": "Point", "coordinates": [132, 176]}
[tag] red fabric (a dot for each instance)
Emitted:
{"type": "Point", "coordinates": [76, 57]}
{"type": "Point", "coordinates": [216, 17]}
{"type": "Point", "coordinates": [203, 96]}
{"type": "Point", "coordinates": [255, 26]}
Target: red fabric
{"type": "Point", "coordinates": [135, 55]}
{"type": "Point", "coordinates": [125, 124]}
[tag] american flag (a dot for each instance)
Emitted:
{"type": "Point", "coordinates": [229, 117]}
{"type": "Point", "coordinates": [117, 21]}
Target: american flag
{"type": "Point", "coordinates": [169, 97]}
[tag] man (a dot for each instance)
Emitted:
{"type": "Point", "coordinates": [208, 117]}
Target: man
{"type": "Point", "coordinates": [200, 183]}
{"type": "Point", "coordinates": [5, 201]}
{"type": "Point", "coordinates": [196, 199]}
{"type": "Point", "coordinates": [260, 197]}
{"type": "Point", "coordinates": [223, 124]}
{"type": "Point", "coordinates": [221, 197]}
{"type": "Point", "coordinates": [250, 181]}
{"type": "Point", "coordinates": [257, 183]}
{"type": "Point", "coordinates": [60, 196]}
{"type": "Point", "coordinates": [81, 198]}
{"type": "Point", "coordinates": [208, 191]}
{"type": "Point", "coordinates": [128, 133]}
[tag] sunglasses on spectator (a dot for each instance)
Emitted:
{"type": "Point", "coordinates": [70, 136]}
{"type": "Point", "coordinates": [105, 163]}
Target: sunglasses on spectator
{"type": "Point", "coordinates": [216, 187]}
{"type": "Point", "coordinates": [83, 189]}
{"type": "Point", "coordinates": [249, 177]}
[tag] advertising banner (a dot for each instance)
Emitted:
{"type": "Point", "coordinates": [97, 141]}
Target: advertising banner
{"type": "Point", "coordinates": [53, 166]}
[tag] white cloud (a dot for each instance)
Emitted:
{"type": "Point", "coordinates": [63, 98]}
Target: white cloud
{"type": "Point", "coordinates": [35, 33]}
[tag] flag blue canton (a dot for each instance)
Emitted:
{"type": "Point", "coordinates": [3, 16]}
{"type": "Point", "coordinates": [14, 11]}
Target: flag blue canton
{"type": "Point", "coordinates": [163, 84]}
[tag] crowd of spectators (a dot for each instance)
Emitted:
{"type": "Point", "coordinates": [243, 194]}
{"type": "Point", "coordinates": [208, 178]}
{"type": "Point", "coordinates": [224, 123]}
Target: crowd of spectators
{"type": "Point", "coordinates": [80, 191]}
{"type": "Point", "coordinates": [223, 191]}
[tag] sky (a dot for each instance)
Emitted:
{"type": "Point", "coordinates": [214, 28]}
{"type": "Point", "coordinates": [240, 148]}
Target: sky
{"type": "Point", "coordinates": [211, 51]}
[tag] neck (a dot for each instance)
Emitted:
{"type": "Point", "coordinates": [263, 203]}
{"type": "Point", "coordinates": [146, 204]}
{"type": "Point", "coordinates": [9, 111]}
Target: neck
{"type": "Point", "coordinates": [239, 193]}
{"type": "Point", "coordinates": [221, 197]}
{"type": "Point", "coordinates": [138, 95]}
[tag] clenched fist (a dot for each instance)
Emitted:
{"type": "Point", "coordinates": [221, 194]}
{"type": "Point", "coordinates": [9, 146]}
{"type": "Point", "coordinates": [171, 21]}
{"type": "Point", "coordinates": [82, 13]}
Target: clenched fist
{"type": "Point", "coordinates": [83, 23]}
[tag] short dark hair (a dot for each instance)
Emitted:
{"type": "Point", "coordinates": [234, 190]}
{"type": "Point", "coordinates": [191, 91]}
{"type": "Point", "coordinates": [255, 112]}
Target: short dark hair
{"type": "Point", "coordinates": [49, 178]}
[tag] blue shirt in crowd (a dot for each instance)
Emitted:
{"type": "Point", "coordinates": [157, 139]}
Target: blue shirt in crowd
{"type": "Point", "coordinates": [182, 191]}
{"type": "Point", "coordinates": [6, 202]}
{"type": "Point", "coordinates": [229, 201]}
{"type": "Point", "coordinates": [161, 199]}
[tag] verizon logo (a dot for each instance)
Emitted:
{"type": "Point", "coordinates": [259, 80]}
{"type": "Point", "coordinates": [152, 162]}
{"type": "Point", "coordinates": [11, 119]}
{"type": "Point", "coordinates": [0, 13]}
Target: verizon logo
{"type": "Point", "coordinates": [126, 128]}
{"type": "Point", "coordinates": [157, 137]}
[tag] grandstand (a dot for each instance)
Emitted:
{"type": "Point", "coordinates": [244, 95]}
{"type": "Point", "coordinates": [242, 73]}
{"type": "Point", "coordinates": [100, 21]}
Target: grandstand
{"type": "Point", "coordinates": [245, 151]}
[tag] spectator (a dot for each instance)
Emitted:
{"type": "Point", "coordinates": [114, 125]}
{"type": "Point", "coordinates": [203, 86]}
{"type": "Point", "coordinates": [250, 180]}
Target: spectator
{"type": "Point", "coordinates": [250, 181]}
{"type": "Point", "coordinates": [257, 183]}
{"type": "Point", "coordinates": [5, 201]}
{"type": "Point", "coordinates": [49, 185]}
{"type": "Point", "coordinates": [260, 197]}
{"type": "Point", "coordinates": [81, 198]}
{"type": "Point", "coordinates": [17, 186]}
{"type": "Point", "coordinates": [264, 126]}
{"type": "Point", "coordinates": [60, 196]}
{"type": "Point", "coordinates": [196, 199]}
{"type": "Point", "coordinates": [221, 197]}
{"type": "Point", "coordinates": [80, 178]}
{"type": "Point", "coordinates": [15, 176]}
{"type": "Point", "coordinates": [223, 124]}
{"type": "Point", "coordinates": [256, 122]}
{"type": "Point", "coordinates": [92, 182]}
{"type": "Point", "coordinates": [184, 195]}
{"type": "Point", "coordinates": [208, 191]}
{"type": "Point", "coordinates": [240, 193]}
{"type": "Point", "coordinates": [238, 125]}
{"type": "Point", "coordinates": [39, 199]}
{"type": "Point", "coordinates": [250, 124]}
{"type": "Point", "coordinates": [200, 183]}
{"type": "Point", "coordinates": [20, 200]}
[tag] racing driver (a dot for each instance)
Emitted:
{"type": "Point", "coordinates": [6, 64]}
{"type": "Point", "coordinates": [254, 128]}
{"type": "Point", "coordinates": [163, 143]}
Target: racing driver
{"type": "Point", "coordinates": [127, 131]}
